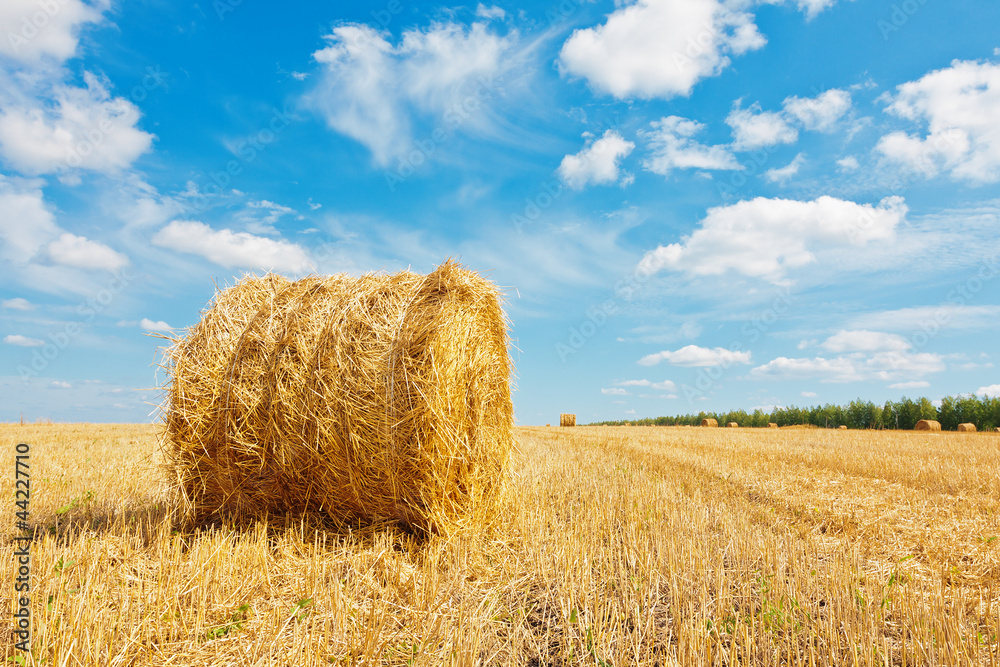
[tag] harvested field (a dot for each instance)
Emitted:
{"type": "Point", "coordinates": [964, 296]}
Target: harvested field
{"type": "Point", "coordinates": [639, 546]}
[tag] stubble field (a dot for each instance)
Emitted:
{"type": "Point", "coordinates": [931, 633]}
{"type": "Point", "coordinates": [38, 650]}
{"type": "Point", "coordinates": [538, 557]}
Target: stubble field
{"type": "Point", "coordinates": [620, 546]}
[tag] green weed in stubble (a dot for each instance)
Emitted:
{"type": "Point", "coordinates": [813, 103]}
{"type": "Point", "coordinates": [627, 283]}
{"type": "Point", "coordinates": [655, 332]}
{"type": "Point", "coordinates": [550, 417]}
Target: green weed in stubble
{"type": "Point", "coordinates": [235, 623]}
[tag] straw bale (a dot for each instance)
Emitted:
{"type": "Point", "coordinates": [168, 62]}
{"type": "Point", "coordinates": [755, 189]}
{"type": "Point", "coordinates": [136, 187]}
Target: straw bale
{"type": "Point", "coordinates": [380, 398]}
{"type": "Point", "coordinates": [709, 422]}
{"type": "Point", "coordinates": [567, 419]}
{"type": "Point", "coordinates": [927, 425]}
{"type": "Point", "coordinates": [732, 425]}
{"type": "Point", "coordinates": [772, 425]}
{"type": "Point", "coordinates": [967, 428]}
{"type": "Point", "coordinates": [842, 427]}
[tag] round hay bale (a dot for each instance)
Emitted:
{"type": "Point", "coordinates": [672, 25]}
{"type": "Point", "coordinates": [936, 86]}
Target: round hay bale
{"type": "Point", "coordinates": [772, 425]}
{"type": "Point", "coordinates": [709, 422]}
{"type": "Point", "coordinates": [842, 428]}
{"type": "Point", "coordinates": [967, 428]}
{"type": "Point", "coordinates": [567, 420]}
{"type": "Point", "coordinates": [373, 399]}
{"type": "Point", "coordinates": [927, 425]}
{"type": "Point", "coordinates": [732, 425]}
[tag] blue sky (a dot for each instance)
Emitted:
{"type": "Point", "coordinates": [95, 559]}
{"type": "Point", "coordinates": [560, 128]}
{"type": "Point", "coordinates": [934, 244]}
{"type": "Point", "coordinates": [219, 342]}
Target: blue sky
{"type": "Point", "coordinates": [692, 205]}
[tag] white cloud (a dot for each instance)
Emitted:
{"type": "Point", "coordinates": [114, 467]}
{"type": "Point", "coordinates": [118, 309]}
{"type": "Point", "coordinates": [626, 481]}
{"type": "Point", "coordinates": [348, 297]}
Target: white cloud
{"type": "Point", "coordinates": [666, 385]}
{"type": "Point", "coordinates": [856, 367]}
{"type": "Point", "coordinates": [693, 355]}
{"type": "Point", "coordinates": [58, 384]}
{"type": "Point", "coordinates": [23, 341]}
{"type": "Point", "coordinates": [929, 318]}
{"type": "Point", "coordinates": [26, 224]}
{"type": "Point", "coordinates": [81, 128]}
{"type": "Point", "coordinates": [865, 341]}
{"type": "Point", "coordinates": [368, 89]}
{"type": "Point", "coordinates": [597, 163]}
{"type": "Point", "coordinates": [614, 392]}
{"type": "Point", "coordinates": [492, 12]}
{"type": "Point", "coordinates": [849, 163]}
{"type": "Point", "coordinates": [33, 31]}
{"type": "Point", "coordinates": [992, 391]}
{"type": "Point", "coordinates": [659, 48]}
{"type": "Point", "coordinates": [232, 249]}
{"type": "Point", "coordinates": [813, 7]}
{"type": "Point", "coordinates": [72, 250]}
{"type": "Point", "coordinates": [819, 113]}
{"type": "Point", "coordinates": [672, 147]}
{"type": "Point", "coordinates": [150, 325]}
{"type": "Point", "coordinates": [960, 105]}
{"type": "Point", "coordinates": [782, 174]}
{"type": "Point", "coordinates": [810, 394]}
{"type": "Point", "coordinates": [17, 303]}
{"type": "Point", "coordinates": [914, 384]}
{"type": "Point", "coordinates": [753, 128]}
{"type": "Point", "coordinates": [766, 237]}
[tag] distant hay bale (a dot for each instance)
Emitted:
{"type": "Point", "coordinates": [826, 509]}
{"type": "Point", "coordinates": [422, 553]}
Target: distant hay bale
{"type": "Point", "coordinates": [967, 428]}
{"type": "Point", "coordinates": [567, 419]}
{"type": "Point", "coordinates": [927, 425]}
{"type": "Point", "coordinates": [772, 425]}
{"type": "Point", "coordinates": [709, 422]}
{"type": "Point", "coordinates": [383, 398]}
{"type": "Point", "coordinates": [997, 429]}
{"type": "Point", "coordinates": [842, 427]}
{"type": "Point", "coordinates": [732, 425]}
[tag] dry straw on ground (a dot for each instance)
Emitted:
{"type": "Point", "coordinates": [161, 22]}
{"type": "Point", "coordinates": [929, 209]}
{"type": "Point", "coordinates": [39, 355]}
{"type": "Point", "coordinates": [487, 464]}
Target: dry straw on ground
{"type": "Point", "coordinates": [567, 419]}
{"type": "Point", "coordinates": [709, 422]}
{"type": "Point", "coordinates": [927, 425]}
{"type": "Point", "coordinates": [373, 399]}
{"type": "Point", "coordinates": [967, 428]}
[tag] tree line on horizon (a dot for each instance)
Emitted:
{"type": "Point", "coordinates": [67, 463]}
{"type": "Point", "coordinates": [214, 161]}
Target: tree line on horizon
{"type": "Point", "coordinates": [903, 414]}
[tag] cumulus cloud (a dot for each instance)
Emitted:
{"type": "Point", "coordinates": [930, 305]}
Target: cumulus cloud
{"type": "Point", "coordinates": [232, 249]}
{"type": "Point", "coordinates": [693, 355]}
{"type": "Point", "coordinates": [614, 392]}
{"type": "Point", "coordinates": [659, 48]}
{"type": "Point", "coordinates": [79, 128]}
{"type": "Point", "coordinates": [782, 174]}
{"type": "Point", "coordinates": [754, 128]}
{"type": "Point", "coordinates": [151, 325]}
{"type": "Point", "coordinates": [672, 146]}
{"type": "Point", "coordinates": [855, 367]}
{"type": "Point", "coordinates": [34, 31]}
{"type": "Point", "coordinates": [960, 105]}
{"type": "Point", "coordinates": [764, 238]}
{"type": "Point", "coordinates": [369, 89]}
{"type": "Point", "coordinates": [22, 341]}
{"type": "Point", "coordinates": [598, 163]}
{"type": "Point", "coordinates": [59, 384]}
{"type": "Point", "coordinates": [849, 163]}
{"type": "Point", "coordinates": [819, 113]}
{"type": "Point", "coordinates": [865, 341]}
{"type": "Point", "coordinates": [82, 253]}
{"type": "Point", "coordinates": [491, 12]}
{"type": "Point", "coordinates": [813, 7]}
{"type": "Point", "coordinates": [810, 394]}
{"type": "Point", "coordinates": [992, 391]}
{"type": "Point", "coordinates": [26, 224]}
